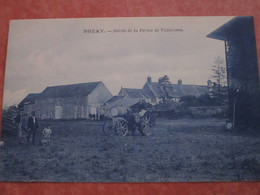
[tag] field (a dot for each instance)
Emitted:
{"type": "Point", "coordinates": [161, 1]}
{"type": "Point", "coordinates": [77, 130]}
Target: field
{"type": "Point", "coordinates": [176, 150]}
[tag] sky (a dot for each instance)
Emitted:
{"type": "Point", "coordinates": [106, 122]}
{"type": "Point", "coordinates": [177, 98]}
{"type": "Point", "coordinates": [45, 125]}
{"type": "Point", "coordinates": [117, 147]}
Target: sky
{"type": "Point", "coordinates": [120, 52]}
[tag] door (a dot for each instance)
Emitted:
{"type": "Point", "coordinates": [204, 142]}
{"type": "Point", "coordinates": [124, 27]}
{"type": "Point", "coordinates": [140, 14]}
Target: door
{"type": "Point", "coordinates": [79, 112]}
{"type": "Point", "coordinates": [58, 112]}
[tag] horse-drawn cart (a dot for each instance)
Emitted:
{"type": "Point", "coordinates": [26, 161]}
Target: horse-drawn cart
{"type": "Point", "coordinates": [123, 121]}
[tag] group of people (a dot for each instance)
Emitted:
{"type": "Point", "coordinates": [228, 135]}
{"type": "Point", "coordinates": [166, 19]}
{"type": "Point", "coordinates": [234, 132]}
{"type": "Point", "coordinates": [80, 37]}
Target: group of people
{"type": "Point", "coordinates": [30, 126]}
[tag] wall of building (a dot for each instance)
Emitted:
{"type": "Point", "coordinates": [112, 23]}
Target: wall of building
{"type": "Point", "coordinates": [97, 98]}
{"type": "Point", "coordinates": [71, 107]}
{"type": "Point", "coordinates": [61, 108]}
{"type": "Point", "coordinates": [150, 94]}
{"type": "Point", "coordinates": [28, 108]}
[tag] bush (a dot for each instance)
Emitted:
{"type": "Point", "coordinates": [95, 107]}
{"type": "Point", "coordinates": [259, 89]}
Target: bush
{"type": "Point", "coordinates": [203, 100]}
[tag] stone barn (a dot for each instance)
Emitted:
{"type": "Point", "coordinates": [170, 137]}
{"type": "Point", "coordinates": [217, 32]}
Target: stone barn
{"type": "Point", "coordinates": [75, 101]}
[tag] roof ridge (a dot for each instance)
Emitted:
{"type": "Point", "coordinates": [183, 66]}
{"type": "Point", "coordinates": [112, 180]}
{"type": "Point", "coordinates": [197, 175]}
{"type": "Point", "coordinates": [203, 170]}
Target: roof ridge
{"type": "Point", "coordinates": [77, 89]}
{"type": "Point", "coordinates": [33, 94]}
{"type": "Point", "coordinates": [169, 84]}
{"type": "Point", "coordinates": [130, 88]}
{"type": "Point", "coordinates": [193, 85]}
{"type": "Point", "coordinates": [73, 84]}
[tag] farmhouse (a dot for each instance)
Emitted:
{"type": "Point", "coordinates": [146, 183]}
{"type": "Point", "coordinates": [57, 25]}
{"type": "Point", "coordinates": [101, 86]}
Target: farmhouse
{"type": "Point", "coordinates": [156, 91]}
{"type": "Point", "coordinates": [74, 101]}
{"type": "Point", "coordinates": [131, 93]}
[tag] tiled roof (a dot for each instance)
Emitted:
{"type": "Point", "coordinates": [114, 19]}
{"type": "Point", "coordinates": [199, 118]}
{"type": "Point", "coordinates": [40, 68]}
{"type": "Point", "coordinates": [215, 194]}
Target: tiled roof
{"type": "Point", "coordinates": [30, 98]}
{"type": "Point", "coordinates": [74, 90]}
{"type": "Point", "coordinates": [124, 102]}
{"type": "Point", "coordinates": [175, 90]}
{"type": "Point", "coordinates": [131, 93]}
{"type": "Point", "coordinates": [231, 27]}
{"type": "Point", "coordinates": [113, 99]}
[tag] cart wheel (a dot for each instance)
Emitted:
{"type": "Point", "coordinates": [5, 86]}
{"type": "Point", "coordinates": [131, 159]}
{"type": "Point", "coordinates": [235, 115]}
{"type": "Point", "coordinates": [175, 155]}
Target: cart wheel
{"type": "Point", "coordinates": [108, 128]}
{"type": "Point", "coordinates": [121, 128]}
{"type": "Point", "coordinates": [144, 124]}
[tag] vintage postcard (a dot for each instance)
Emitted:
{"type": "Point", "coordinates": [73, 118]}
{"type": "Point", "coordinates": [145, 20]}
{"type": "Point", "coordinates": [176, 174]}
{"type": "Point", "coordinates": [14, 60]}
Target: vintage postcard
{"type": "Point", "coordinates": [160, 99]}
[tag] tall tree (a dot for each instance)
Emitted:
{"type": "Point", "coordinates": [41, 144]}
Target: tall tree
{"type": "Point", "coordinates": [163, 81]}
{"type": "Point", "coordinates": [219, 77]}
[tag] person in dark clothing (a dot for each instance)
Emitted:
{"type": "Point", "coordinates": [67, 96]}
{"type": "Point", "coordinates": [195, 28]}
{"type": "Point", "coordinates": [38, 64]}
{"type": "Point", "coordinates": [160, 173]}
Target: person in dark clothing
{"type": "Point", "coordinates": [18, 118]}
{"type": "Point", "coordinates": [19, 124]}
{"type": "Point", "coordinates": [32, 128]}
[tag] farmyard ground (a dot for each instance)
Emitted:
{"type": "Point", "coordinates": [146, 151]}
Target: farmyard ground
{"type": "Point", "coordinates": [177, 150]}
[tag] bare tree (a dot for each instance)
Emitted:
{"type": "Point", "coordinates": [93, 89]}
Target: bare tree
{"type": "Point", "coordinates": [219, 77]}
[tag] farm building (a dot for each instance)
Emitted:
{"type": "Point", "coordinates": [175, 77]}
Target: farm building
{"type": "Point", "coordinates": [131, 93]}
{"type": "Point", "coordinates": [125, 99]}
{"type": "Point", "coordinates": [28, 103]}
{"type": "Point", "coordinates": [238, 36]}
{"type": "Point", "coordinates": [156, 91]}
{"type": "Point", "coordinates": [74, 101]}
{"type": "Point", "coordinates": [121, 102]}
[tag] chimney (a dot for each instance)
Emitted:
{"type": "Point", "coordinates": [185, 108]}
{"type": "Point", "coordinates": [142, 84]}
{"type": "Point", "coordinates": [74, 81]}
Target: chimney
{"type": "Point", "coordinates": [209, 82]}
{"type": "Point", "coordinates": [149, 80]}
{"type": "Point", "coordinates": [179, 82]}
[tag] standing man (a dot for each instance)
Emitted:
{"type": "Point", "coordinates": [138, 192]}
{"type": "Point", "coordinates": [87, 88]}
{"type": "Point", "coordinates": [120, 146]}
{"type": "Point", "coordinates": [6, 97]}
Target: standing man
{"type": "Point", "coordinates": [19, 124]}
{"type": "Point", "coordinates": [32, 127]}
